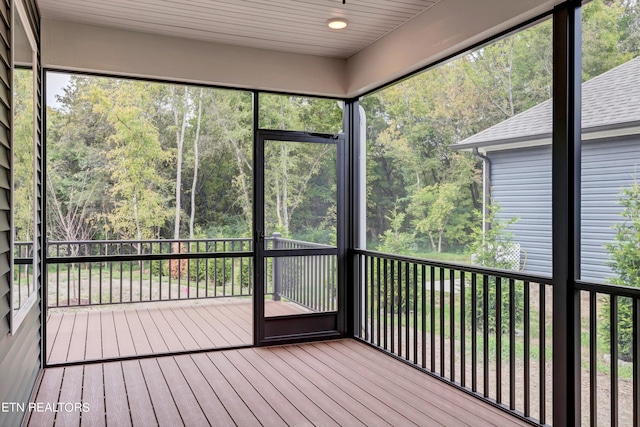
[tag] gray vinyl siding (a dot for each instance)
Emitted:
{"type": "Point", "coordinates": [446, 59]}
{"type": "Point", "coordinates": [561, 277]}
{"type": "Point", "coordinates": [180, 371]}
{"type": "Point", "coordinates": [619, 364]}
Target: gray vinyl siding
{"type": "Point", "coordinates": [20, 360]}
{"type": "Point", "coordinates": [521, 184]}
{"type": "Point", "coordinates": [607, 167]}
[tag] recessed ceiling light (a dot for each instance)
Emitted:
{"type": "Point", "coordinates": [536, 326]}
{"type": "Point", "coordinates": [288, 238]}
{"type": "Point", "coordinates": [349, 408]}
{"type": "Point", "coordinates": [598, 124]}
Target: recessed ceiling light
{"type": "Point", "coordinates": [337, 23]}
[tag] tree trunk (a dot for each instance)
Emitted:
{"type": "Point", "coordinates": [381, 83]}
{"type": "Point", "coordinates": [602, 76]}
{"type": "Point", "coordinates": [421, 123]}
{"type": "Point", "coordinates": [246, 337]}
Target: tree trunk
{"type": "Point", "coordinates": [285, 189]}
{"type": "Point", "coordinates": [196, 156]}
{"type": "Point", "coordinates": [278, 203]}
{"type": "Point", "coordinates": [433, 243]}
{"type": "Point", "coordinates": [180, 141]}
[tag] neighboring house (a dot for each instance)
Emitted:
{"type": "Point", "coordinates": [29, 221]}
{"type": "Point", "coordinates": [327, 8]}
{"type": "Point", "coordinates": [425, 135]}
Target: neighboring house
{"type": "Point", "coordinates": [517, 169]}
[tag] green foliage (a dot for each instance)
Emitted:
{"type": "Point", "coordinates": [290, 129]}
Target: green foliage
{"type": "Point", "coordinates": [393, 240]}
{"type": "Point", "coordinates": [23, 155]}
{"type": "Point", "coordinates": [488, 250]}
{"type": "Point", "coordinates": [625, 262]}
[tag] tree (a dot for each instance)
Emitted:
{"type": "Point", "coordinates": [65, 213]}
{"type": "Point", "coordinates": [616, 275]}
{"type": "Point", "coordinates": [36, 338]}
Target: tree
{"type": "Point", "coordinates": [196, 164]}
{"type": "Point", "coordinates": [135, 157]}
{"type": "Point", "coordinates": [625, 262]}
{"type": "Point", "coordinates": [23, 157]}
{"type": "Point", "coordinates": [489, 249]}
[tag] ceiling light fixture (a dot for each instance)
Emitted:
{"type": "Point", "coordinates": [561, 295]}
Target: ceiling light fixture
{"type": "Point", "coordinates": [337, 23]}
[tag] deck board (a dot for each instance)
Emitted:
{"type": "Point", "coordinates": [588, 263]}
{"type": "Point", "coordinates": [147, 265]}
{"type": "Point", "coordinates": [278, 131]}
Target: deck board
{"type": "Point", "coordinates": [282, 383]}
{"type": "Point", "coordinates": [77, 345]}
{"type": "Point", "coordinates": [379, 361]}
{"type": "Point", "coordinates": [239, 411]}
{"type": "Point", "coordinates": [329, 403]}
{"type": "Point", "coordinates": [161, 397]}
{"type": "Point", "coordinates": [71, 393]}
{"type": "Point", "coordinates": [115, 395]}
{"type": "Point", "coordinates": [256, 402]}
{"type": "Point", "coordinates": [142, 410]}
{"type": "Point", "coordinates": [208, 400]}
{"type": "Point", "coordinates": [93, 395]}
{"type": "Point", "coordinates": [371, 409]}
{"type": "Point", "coordinates": [77, 334]}
{"type": "Point", "coordinates": [48, 392]}
{"type": "Point", "coordinates": [109, 335]}
{"type": "Point", "coordinates": [94, 338]}
{"type": "Point", "coordinates": [341, 382]}
{"type": "Point", "coordinates": [186, 402]}
{"type": "Point", "coordinates": [138, 334]}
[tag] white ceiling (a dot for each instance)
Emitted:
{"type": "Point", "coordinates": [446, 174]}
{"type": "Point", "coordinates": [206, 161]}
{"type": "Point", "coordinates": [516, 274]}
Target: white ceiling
{"type": "Point", "coordinates": [297, 26]}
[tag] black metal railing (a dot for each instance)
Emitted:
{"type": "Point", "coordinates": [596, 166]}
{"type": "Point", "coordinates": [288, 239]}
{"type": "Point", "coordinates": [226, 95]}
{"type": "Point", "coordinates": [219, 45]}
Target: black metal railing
{"type": "Point", "coordinates": [610, 362]}
{"type": "Point", "coordinates": [483, 330]}
{"type": "Point", "coordinates": [23, 280]}
{"type": "Point", "coordinates": [98, 272]}
{"type": "Point", "coordinates": [101, 272]}
{"type": "Point", "coordinates": [309, 281]}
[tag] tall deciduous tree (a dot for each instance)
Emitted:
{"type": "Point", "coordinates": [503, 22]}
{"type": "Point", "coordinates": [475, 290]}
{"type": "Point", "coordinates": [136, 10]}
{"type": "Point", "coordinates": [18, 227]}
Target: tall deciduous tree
{"type": "Point", "coordinates": [135, 157]}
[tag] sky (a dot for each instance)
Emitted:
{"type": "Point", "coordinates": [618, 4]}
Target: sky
{"type": "Point", "coordinates": [56, 82]}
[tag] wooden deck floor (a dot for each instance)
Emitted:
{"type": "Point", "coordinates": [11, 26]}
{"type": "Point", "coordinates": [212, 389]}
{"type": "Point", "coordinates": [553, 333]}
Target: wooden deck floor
{"type": "Point", "coordinates": [138, 329]}
{"type": "Point", "coordinates": [335, 383]}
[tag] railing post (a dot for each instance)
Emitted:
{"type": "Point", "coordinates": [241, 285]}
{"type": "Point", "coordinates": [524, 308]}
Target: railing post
{"type": "Point", "coordinates": [566, 203]}
{"type": "Point", "coordinates": [277, 268]}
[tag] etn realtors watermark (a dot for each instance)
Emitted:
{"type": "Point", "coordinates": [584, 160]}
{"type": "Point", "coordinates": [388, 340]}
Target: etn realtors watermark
{"type": "Point", "coordinates": [9, 407]}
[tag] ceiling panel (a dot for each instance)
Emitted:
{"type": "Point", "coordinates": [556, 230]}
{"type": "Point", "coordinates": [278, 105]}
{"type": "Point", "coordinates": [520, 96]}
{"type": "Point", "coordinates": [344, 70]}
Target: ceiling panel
{"type": "Point", "coordinates": [287, 25]}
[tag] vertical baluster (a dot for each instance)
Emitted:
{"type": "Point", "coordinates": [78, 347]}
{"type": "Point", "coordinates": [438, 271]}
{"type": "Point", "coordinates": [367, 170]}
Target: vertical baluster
{"type": "Point", "coordinates": [512, 345]}
{"type": "Point", "coordinates": [393, 307]}
{"type": "Point", "coordinates": [90, 285]}
{"type": "Point", "coordinates": [372, 302]}
{"type": "Point", "coordinates": [485, 333]}
{"type": "Point", "coordinates": [442, 317]}
{"type": "Point", "coordinates": [463, 349]}
{"type": "Point", "coordinates": [452, 327]}
{"type": "Point", "coordinates": [423, 305]}
{"type": "Point", "coordinates": [399, 310]}
{"type": "Point", "coordinates": [384, 307]}
{"type": "Point", "coordinates": [366, 298]}
{"type": "Point", "coordinates": [69, 276]}
{"type": "Point", "coordinates": [407, 305]}
{"type": "Point", "coordinates": [121, 283]}
{"type": "Point", "coordinates": [474, 335]}
{"type": "Point", "coordinates": [613, 326]}
{"type": "Point", "coordinates": [324, 280]}
{"type": "Point", "coordinates": [233, 267]}
{"type": "Point", "coordinates": [58, 278]}
{"type": "Point", "coordinates": [543, 351]}
{"type": "Point", "coordinates": [527, 351]}
{"type": "Point", "coordinates": [378, 300]}
{"type": "Point", "coordinates": [111, 282]}
{"type": "Point", "coordinates": [79, 278]}
{"type": "Point", "coordinates": [99, 272]}
{"type": "Point", "coordinates": [636, 362]}
{"type": "Point", "coordinates": [90, 274]}
{"type": "Point", "coordinates": [499, 339]}
{"type": "Point", "coordinates": [593, 360]}
{"type": "Point", "coordinates": [131, 280]}
{"type": "Point", "coordinates": [215, 270]}
{"type": "Point", "coordinates": [206, 270]}
{"type": "Point", "coordinates": [363, 280]}
{"type": "Point", "coordinates": [415, 313]}
{"type": "Point", "coordinates": [432, 318]}
{"type": "Point", "coordinates": [224, 269]}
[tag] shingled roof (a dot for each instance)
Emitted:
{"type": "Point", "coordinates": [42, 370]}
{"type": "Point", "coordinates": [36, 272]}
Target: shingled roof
{"type": "Point", "coordinates": [610, 100]}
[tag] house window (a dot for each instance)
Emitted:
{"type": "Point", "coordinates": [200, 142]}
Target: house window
{"type": "Point", "coordinates": [24, 171]}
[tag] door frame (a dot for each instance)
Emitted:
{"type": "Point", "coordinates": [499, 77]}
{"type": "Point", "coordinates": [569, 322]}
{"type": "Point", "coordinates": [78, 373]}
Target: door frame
{"type": "Point", "coordinates": [308, 326]}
